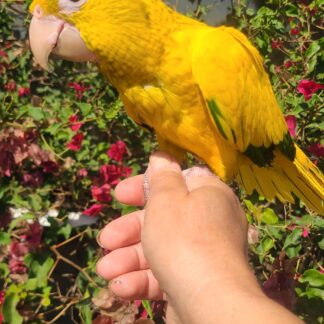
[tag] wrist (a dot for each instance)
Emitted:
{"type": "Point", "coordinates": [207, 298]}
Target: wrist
{"type": "Point", "coordinates": [226, 297]}
{"type": "Point", "coordinates": [220, 286]}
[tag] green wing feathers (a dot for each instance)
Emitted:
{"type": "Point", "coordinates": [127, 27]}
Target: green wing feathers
{"type": "Point", "coordinates": [242, 106]}
{"type": "Point", "coordinates": [229, 71]}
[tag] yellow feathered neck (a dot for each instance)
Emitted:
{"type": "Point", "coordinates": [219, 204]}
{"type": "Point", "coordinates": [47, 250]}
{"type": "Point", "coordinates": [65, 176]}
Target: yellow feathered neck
{"type": "Point", "coordinates": [126, 35]}
{"type": "Point", "coordinates": [49, 7]}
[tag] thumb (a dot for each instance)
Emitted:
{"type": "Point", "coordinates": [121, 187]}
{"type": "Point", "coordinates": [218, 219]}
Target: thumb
{"type": "Point", "coordinates": [165, 180]}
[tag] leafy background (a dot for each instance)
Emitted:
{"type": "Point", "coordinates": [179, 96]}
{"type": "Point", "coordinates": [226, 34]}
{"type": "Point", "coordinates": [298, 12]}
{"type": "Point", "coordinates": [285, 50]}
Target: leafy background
{"type": "Point", "coordinates": [65, 142]}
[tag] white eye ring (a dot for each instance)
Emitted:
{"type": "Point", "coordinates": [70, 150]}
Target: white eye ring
{"type": "Point", "coordinates": [69, 6]}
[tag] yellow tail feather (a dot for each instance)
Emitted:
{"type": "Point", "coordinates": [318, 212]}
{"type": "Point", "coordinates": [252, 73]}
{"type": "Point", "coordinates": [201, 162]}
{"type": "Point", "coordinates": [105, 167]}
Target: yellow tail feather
{"type": "Point", "coordinates": [285, 177]}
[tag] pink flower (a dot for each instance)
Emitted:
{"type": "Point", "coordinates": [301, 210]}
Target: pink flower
{"type": "Point", "coordinates": [23, 91]}
{"type": "Point", "coordinates": [93, 210]}
{"type": "Point", "coordinates": [74, 124]}
{"type": "Point", "coordinates": [291, 122]}
{"type": "Point", "coordinates": [288, 64]}
{"type": "Point", "coordinates": [305, 232]}
{"type": "Point", "coordinates": [79, 89]}
{"type": "Point", "coordinates": [112, 173]}
{"type": "Point", "coordinates": [17, 266]}
{"type": "Point", "coordinates": [10, 86]}
{"type": "Point", "coordinates": [34, 179]}
{"type": "Point", "coordinates": [2, 297]}
{"type": "Point", "coordinates": [126, 172]}
{"type": "Point", "coordinates": [3, 53]}
{"type": "Point", "coordinates": [308, 88]}
{"type": "Point", "coordinates": [49, 166]}
{"type": "Point", "coordinates": [277, 69]}
{"type": "Point", "coordinates": [33, 236]}
{"type": "Point", "coordinates": [294, 31]}
{"type": "Point", "coordinates": [317, 149]}
{"type": "Point", "coordinates": [17, 251]}
{"type": "Point", "coordinates": [75, 143]}
{"type": "Point", "coordinates": [117, 151]}
{"type": "Point", "coordinates": [83, 173]}
{"type": "Point", "coordinates": [102, 193]}
{"type": "Point", "coordinates": [104, 173]}
{"type": "Point", "coordinates": [276, 43]}
{"type": "Point", "coordinates": [142, 311]}
{"type": "Point", "coordinates": [291, 227]}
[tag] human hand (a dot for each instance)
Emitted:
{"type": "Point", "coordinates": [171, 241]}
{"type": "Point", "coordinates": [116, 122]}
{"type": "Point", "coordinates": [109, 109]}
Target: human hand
{"type": "Point", "coordinates": [187, 246]}
{"type": "Point", "coordinates": [190, 226]}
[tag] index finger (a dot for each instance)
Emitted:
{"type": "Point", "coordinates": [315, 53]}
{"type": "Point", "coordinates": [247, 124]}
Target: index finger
{"type": "Point", "coordinates": [130, 191]}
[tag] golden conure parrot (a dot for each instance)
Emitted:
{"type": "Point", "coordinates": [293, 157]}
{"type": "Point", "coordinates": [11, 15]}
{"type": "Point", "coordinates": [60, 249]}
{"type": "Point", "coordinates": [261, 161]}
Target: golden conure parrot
{"type": "Point", "coordinates": [202, 89]}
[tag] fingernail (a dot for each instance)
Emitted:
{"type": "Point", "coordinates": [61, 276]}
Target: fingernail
{"type": "Point", "coordinates": [98, 239]}
{"type": "Point", "coordinates": [198, 171]}
{"type": "Point", "coordinates": [160, 160]}
{"type": "Point", "coordinates": [146, 188]}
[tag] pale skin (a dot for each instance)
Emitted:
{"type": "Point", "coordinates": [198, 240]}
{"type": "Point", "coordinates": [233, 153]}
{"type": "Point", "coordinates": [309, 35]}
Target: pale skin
{"type": "Point", "coordinates": [187, 246]}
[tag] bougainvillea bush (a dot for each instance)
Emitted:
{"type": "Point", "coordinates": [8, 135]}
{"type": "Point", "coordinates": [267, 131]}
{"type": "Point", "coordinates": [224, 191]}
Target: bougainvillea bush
{"type": "Point", "coordinates": [65, 142]}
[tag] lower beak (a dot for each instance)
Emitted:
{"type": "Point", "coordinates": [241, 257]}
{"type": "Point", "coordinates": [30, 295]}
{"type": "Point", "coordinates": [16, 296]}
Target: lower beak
{"type": "Point", "coordinates": [49, 34]}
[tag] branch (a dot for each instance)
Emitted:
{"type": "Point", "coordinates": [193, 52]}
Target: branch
{"type": "Point", "coordinates": [72, 264]}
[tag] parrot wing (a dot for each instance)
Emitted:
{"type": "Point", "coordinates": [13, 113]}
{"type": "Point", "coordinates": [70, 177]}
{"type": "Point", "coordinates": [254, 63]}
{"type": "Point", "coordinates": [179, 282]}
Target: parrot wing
{"type": "Point", "coordinates": [238, 94]}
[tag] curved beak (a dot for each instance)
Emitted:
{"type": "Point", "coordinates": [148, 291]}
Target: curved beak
{"type": "Point", "coordinates": [50, 35]}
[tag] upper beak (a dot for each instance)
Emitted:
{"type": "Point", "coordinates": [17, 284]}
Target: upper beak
{"type": "Point", "coordinates": [49, 34]}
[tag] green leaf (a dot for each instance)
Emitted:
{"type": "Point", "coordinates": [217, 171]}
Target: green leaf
{"type": "Point", "coordinates": [319, 222]}
{"type": "Point", "coordinates": [306, 220]}
{"type": "Point", "coordinates": [113, 111]}
{"type": "Point", "coordinates": [31, 284]}
{"type": "Point", "coordinates": [147, 305]}
{"type": "Point", "coordinates": [311, 292]}
{"type": "Point", "coordinates": [9, 310]}
{"type": "Point", "coordinates": [267, 244]}
{"type": "Point", "coordinates": [4, 270]}
{"type": "Point", "coordinates": [86, 314]}
{"type": "Point", "coordinates": [312, 49]}
{"type": "Point", "coordinates": [4, 238]}
{"type": "Point", "coordinates": [313, 278]}
{"type": "Point", "coordinates": [54, 128]}
{"type": "Point", "coordinates": [65, 230]}
{"type": "Point", "coordinates": [46, 301]}
{"type": "Point", "coordinates": [36, 113]}
{"type": "Point", "coordinates": [293, 238]}
{"type": "Point", "coordinates": [35, 202]}
{"type": "Point", "coordinates": [85, 108]}
{"type": "Point", "coordinates": [42, 271]}
{"type": "Point", "coordinates": [292, 11]}
{"type": "Point", "coordinates": [250, 11]}
{"type": "Point", "coordinates": [249, 205]}
{"type": "Point", "coordinates": [275, 231]}
{"type": "Point", "coordinates": [321, 244]}
{"type": "Point", "coordinates": [269, 217]}
{"type": "Point", "coordinates": [293, 251]}
{"type": "Point", "coordinates": [18, 201]}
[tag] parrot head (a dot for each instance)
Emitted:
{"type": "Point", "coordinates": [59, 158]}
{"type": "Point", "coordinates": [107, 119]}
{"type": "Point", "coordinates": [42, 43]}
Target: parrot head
{"type": "Point", "coordinates": [53, 31]}
{"type": "Point", "coordinates": [90, 30]}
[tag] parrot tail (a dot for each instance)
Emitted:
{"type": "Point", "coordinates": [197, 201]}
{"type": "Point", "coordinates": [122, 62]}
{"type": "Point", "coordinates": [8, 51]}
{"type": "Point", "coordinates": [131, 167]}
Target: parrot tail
{"type": "Point", "coordinates": [285, 177]}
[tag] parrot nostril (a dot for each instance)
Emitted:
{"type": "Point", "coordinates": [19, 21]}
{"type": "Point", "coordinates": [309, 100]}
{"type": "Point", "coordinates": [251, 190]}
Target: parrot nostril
{"type": "Point", "coordinates": [38, 11]}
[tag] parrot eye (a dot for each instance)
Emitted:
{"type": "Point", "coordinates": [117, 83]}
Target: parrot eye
{"type": "Point", "coordinates": [70, 6]}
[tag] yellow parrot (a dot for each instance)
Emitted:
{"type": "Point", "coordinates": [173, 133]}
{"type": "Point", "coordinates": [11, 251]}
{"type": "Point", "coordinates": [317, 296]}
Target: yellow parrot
{"type": "Point", "coordinates": [202, 89]}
